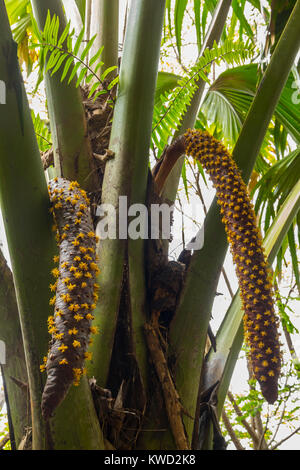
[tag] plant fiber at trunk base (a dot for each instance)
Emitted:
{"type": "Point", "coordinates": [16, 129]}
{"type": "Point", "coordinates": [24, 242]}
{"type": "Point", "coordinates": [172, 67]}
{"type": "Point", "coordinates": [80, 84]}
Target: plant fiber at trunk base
{"type": "Point", "coordinates": [75, 292]}
{"type": "Point", "coordinates": [260, 322]}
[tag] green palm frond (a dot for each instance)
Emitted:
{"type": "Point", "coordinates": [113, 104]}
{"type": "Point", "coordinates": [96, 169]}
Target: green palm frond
{"type": "Point", "coordinates": [42, 132]}
{"type": "Point", "coordinates": [16, 9]}
{"type": "Point", "coordinates": [271, 192]}
{"type": "Point", "coordinates": [236, 87]}
{"type": "Point", "coordinates": [59, 54]}
{"type": "Point", "coordinates": [277, 182]}
{"type": "Point", "coordinates": [171, 107]}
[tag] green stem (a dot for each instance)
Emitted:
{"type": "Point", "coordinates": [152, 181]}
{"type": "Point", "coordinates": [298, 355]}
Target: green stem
{"type": "Point", "coordinates": [126, 175]}
{"type": "Point", "coordinates": [72, 150]}
{"type": "Point", "coordinates": [87, 20]}
{"type": "Point", "coordinates": [105, 23]}
{"type": "Point", "coordinates": [14, 368]}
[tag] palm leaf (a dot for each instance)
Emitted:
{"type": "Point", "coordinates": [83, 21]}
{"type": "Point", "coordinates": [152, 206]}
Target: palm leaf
{"type": "Point", "coordinates": [238, 86]}
{"type": "Point", "coordinates": [180, 6]}
{"type": "Point", "coordinates": [171, 107]}
{"type": "Point", "coordinates": [59, 54]}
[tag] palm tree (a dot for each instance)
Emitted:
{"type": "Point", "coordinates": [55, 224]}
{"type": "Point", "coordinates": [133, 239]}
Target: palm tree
{"type": "Point", "coordinates": [150, 384]}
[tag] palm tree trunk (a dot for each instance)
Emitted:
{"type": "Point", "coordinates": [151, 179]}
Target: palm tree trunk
{"type": "Point", "coordinates": [126, 175]}
{"type": "Point", "coordinates": [14, 369]}
{"type": "Point", "coordinates": [105, 24]}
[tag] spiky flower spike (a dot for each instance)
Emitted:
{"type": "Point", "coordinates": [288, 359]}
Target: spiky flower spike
{"type": "Point", "coordinates": [260, 322]}
{"type": "Point", "coordinates": [75, 292]}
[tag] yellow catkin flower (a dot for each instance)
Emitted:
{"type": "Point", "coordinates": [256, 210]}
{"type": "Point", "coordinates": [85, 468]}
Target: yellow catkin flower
{"type": "Point", "coordinates": [71, 286]}
{"type": "Point", "coordinates": [58, 335]}
{"type": "Point", "coordinates": [66, 297]}
{"type": "Point", "coordinates": [83, 266]}
{"type": "Point", "coordinates": [246, 246]}
{"type": "Point", "coordinates": [53, 287]}
{"type": "Point", "coordinates": [78, 317]}
{"type": "Point", "coordinates": [89, 316]}
{"type": "Point", "coordinates": [73, 331]}
{"type": "Point", "coordinates": [94, 330]}
{"type": "Point", "coordinates": [59, 313]}
{"type": "Point", "coordinates": [63, 361]}
{"type": "Point", "coordinates": [77, 374]}
{"type": "Point", "coordinates": [78, 274]}
{"type": "Point", "coordinates": [94, 266]}
{"type": "Point", "coordinates": [55, 272]}
{"type": "Point", "coordinates": [72, 289]}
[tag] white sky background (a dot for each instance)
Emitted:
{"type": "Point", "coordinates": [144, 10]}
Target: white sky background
{"type": "Point", "coordinates": [192, 210]}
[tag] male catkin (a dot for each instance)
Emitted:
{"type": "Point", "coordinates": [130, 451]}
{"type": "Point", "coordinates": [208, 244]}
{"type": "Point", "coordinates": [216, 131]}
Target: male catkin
{"type": "Point", "coordinates": [260, 322]}
{"type": "Point", "coordinates": [75, 292]}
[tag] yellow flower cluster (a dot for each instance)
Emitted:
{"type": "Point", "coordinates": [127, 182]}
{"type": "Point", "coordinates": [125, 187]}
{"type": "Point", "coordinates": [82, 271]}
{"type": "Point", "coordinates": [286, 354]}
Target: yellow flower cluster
{"type": "Point", "coordinates": [260, 322]}
{"type": "Point", "coordinates": [75, 288]}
